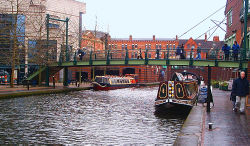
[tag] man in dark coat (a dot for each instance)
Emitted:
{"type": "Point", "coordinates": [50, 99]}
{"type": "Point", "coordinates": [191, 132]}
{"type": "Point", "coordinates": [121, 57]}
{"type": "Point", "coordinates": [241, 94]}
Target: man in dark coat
{"type": "Point", "coordinates": [241, 90]}
{"type": "Point", "coordinates": [236, 49]}
{"type": "Point", "coordinates": [226, 50]}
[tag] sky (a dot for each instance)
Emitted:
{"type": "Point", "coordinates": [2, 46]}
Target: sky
{"type": "Point", "coordinates": [162, 18]}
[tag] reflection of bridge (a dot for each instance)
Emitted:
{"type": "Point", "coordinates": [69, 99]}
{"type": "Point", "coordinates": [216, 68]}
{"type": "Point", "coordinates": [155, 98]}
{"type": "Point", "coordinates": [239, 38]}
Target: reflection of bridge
{"type": "Point", "coordinates": [129, 58]}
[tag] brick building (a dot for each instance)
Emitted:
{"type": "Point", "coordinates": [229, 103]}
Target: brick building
{"type": "Point", "coordinates": [133, 45]}
{"type": "Point", "coordinates": [92, 40]}
{"type": "Point", "coordinates": [234, 12]}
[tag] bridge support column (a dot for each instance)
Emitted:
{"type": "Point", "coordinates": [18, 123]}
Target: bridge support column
{"type": "Point", "coordinates": [65, 76]}
{"type": "Point", "coordinates": [93, 73]}
{"type": "Point", "coordinates": [80, 75]}
{"type": "Point", "coordinates": [40, 79]}
{"type": "Point", "coordinates": [105, 71]}
{"type": "Point", "coordinates": [47, 77]}
{"type": "Point", "coordinates": [209, 94]}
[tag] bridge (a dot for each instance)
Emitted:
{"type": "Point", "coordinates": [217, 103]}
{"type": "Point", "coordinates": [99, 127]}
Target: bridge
{"type": "Point", "coordinates": [129, 58]}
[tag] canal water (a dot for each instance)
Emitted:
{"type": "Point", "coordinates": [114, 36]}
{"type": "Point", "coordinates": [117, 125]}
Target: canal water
{"type": "Point", "coordinates": [117, 117]}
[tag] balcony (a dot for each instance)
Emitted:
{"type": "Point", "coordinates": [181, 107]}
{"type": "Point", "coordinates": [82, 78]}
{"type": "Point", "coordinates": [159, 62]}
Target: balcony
{"type": "Point", "coordinates": [242, 13]}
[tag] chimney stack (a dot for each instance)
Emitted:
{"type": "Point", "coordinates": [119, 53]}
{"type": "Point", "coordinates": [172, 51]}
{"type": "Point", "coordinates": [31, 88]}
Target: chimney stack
{"type": "Point", "coordinates": [130, 38]}
{"type": "Point", "coordinates": [205, 37]}
{"type": "Point", "coordinates": [176, 38]}
{"type": "Point", "coordinates": [153, 37]}
{"type": "Point", "coordinates": [216, 39]}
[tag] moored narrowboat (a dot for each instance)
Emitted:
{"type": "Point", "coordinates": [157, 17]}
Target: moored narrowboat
{"type": "Point", "coordinates": [182, 89]}
{"type": "Point", "coordinates": [113, 82]}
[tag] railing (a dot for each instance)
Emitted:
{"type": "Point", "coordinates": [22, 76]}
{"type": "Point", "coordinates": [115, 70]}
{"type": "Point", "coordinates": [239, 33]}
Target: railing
{"type": "Point", "coordinates": [156, 54]}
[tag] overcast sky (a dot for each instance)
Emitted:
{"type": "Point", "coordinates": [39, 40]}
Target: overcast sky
{"type": "Point", "coordinates": [145, 18]}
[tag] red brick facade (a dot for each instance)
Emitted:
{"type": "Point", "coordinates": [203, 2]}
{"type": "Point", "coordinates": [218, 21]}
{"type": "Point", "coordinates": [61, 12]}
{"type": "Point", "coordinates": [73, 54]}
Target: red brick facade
{"type": "Point", "coordinates": [93, 40]}
{"type": "Point", "coordinates": [235, 21]}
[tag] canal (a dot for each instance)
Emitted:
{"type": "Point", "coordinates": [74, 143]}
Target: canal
{"type": "Point", "coordinates": [124, 116]}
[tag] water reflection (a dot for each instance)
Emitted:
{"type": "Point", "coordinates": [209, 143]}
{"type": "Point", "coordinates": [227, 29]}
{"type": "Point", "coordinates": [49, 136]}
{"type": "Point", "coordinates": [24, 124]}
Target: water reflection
{"type": "Point", "coordinates": [124, 116]}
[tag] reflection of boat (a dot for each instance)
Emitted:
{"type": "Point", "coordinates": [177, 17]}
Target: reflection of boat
{"type": "Point", "coordinates": [182, 89]}
{"type": "Point", "coordinates": [113, 82]}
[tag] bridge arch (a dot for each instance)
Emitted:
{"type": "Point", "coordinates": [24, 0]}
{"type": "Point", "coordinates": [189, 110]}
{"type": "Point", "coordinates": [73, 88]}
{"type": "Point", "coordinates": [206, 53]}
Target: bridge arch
{"type": "Point", "coordinates": [128, 70]}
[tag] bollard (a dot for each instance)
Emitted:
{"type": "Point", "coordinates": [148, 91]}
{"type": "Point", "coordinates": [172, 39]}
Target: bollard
{"type": "Point", "coordinates": [210, 126]}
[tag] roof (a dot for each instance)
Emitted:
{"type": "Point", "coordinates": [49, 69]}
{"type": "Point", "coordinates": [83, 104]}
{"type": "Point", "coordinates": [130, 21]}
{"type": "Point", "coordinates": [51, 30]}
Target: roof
{"type": "Point", "coordinates": [204, 44]}
{"type": "Point", "coordinates": [143, 39]}
{"type": "Point", "coordinates": [99, 34]}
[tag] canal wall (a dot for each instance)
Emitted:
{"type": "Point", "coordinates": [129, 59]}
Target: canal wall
{"type": "Point", "coordinates": [39, 92]}
{"type": "Point", "coordinates": [193, 128]}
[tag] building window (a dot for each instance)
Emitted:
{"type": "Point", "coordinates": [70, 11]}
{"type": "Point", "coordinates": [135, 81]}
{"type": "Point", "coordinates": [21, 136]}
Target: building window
{"type": "Point", "coordinates": [167, 46]}
{"type": "Point", "coordinates": [52, 25]}
{"type": "Point", "coordinates": [149, 46]}
{"type": "Point", "coordinates": [133, 46]}
{"type": "Point", "coordinates": [126, 46]}
{"type": "Point", "coordinates": [109, 46]}
{"type": "Point", "coordinates": [122, 46]}
{"type": "Point", "coordinates": [156, 46]}
{"type": "Point", "coordinates": [136, 45]}
{"type": "Point", "coordinates": [159, 46]}
{"type": "Point", "coordinates": [230, 17]}
{"type": "Point", "coordinates": [174, 46]}
{"type": "Point", "coordinates": [170, 46]}
{"type": "Point", "coordinates": [146, 46]}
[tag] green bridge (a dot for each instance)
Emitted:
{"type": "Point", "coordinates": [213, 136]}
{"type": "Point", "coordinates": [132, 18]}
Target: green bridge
{"type": "Point", "coordinates": [125, 58]}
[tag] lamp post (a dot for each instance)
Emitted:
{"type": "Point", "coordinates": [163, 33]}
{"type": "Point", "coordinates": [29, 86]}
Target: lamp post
{"type": "Point", "coordinates": [245, 29]}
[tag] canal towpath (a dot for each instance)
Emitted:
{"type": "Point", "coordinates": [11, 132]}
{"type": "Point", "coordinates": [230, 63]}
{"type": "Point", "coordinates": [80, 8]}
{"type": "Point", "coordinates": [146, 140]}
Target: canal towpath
{"type": "Point", "coordinates": [229, 128]}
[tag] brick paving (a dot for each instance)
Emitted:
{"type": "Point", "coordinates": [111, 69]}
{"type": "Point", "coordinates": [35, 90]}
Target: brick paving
{"type": "Point", "coordinates": [229, 129]}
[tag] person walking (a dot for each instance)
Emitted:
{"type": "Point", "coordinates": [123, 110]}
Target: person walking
{"type": "Point", "coordinates": [182, 52]}
{"type": "Point", "coordinates": [235, 49]}
{"type": "Point", "coordinates": [157, 54]}
{"type": "Point", "coordinates": [198, 51]}
{"type": "Point", "coordinates": [226, 50]}
{"type": "Point", "coordinates": [240, 90]}
{"type": "Point", "coordinates": [178, 52]}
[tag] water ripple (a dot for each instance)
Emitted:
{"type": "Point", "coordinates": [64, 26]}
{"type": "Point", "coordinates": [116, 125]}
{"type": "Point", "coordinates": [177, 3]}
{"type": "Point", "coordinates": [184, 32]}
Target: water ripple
{"type": "Point", "coordinates": [118, 117]}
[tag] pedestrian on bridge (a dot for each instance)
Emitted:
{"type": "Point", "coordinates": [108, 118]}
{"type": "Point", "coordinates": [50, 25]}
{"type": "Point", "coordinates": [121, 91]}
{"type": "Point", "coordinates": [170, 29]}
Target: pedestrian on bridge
{"type": "Point", "coordinates": [178, 52]}
{"type": "Point", "coordinates": [182, 55]}
{"type": "Point", "coordinates": [235, 49]}
{"type": "Point", "coordinates": [226, 50]}
{"type": "Point", "coordinates": [198, 51]}
{"type": "Point", "coordinates": [240, 90]}
{"type": "Point", "coordinates": [140, 54]}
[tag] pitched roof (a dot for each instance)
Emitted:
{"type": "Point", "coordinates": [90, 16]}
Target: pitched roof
{"type": "Point", "coordinates": [204, 44]}
{"type": "Point", "coordinates": [99, 34]}
{"type": "Point", "coordinates": [143, 39]}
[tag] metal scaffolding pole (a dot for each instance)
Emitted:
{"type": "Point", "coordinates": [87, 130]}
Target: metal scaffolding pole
{"type": "Point", "coordinates": [245, 29]}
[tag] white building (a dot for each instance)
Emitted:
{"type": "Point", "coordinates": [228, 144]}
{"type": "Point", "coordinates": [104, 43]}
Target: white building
{"type": "Point", "coordinates": [32, 21]}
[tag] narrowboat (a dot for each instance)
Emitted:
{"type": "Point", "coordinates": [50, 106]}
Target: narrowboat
{"type": "Point", "coordinates": [182, 89]}
{"type": "Point", "coordinates": [113, 82]}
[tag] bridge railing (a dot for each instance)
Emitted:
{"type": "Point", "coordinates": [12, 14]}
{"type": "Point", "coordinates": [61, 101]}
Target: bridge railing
{"type": "Point", "coordinates": [157, 54]}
